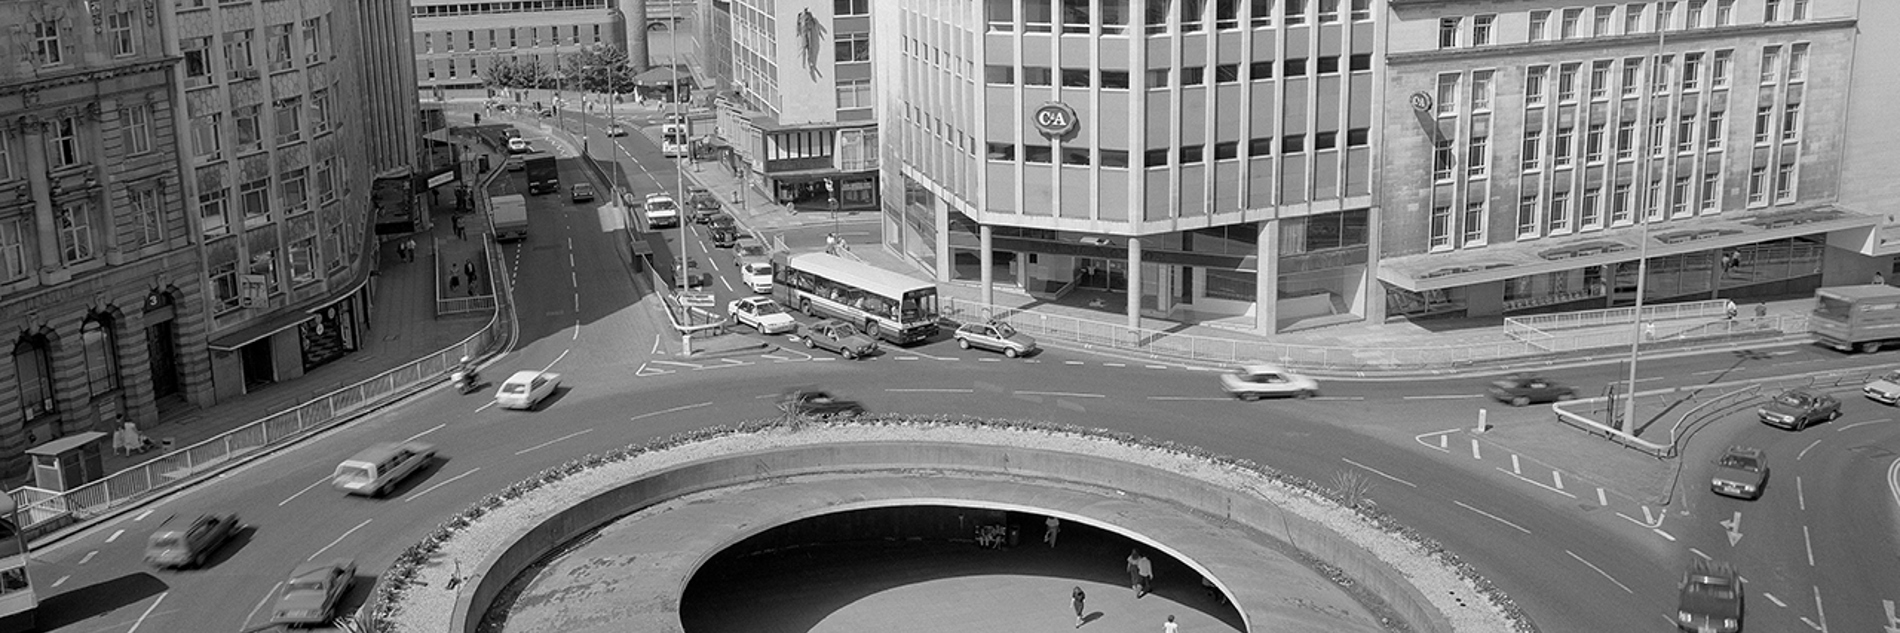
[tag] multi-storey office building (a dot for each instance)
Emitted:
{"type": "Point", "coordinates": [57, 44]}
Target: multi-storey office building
{"type": "Point", "coordinates": [801, 120]}
{"type": "Point", "coordinates": [1534, 151]}
{"type": "Point", "coordinates": [1202, 160]}
{"type": "Point", "coordinates": [457, 40]}
{"type": "Point", "coordinates": [99, 275]}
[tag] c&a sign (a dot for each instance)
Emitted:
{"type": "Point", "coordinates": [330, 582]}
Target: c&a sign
{"type": "Point", "coordinates": [1056, 119]}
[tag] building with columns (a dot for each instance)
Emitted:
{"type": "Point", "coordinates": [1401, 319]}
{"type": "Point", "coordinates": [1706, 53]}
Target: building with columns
{"type": "Point", "coordinates": [1188, 161]}
{"type": "Point", "coordinates": [101, 298]}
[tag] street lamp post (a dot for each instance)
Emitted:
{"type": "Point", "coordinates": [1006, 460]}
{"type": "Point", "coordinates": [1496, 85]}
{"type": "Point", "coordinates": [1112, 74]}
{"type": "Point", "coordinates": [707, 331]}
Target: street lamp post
{"type": "Point", "coordinates": [679, 175]}
{"type": "Point", "coordinates": [1638, 329]}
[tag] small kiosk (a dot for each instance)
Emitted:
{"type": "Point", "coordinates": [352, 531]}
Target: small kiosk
{"type": "Point", "coordinates": [68, 462]}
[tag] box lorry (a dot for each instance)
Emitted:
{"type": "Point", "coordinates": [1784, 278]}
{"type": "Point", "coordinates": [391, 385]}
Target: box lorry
{"type": "Point", "coordinates": [1850, 318]}
{"type": "Point", "coordinates": [511, 217]}
{"type": "Point", "coordinates": [543, 177]}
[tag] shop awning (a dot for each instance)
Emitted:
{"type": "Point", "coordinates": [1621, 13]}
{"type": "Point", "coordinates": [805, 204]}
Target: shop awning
{"type": "Point", "coordinates": [234, 340]}
{"type": "Point", "coordinates": [1497, 262]}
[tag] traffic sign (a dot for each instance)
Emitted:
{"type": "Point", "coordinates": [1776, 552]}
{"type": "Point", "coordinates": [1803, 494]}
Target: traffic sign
{"type": "Point", "coordinates": [696, 299]}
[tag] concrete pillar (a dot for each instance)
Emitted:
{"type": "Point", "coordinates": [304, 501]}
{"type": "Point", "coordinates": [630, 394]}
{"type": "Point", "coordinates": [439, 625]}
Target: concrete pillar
{"type": "Point", "coordinates": [940, 216]}
{"type": "Point", "coordinates": [636, 11]}
{"type": "Point", "coordinates": [106, 242]}
{"type": "Point", "coordinates": [985, 258]}
{"type": "Point", "coordinates": [34, 141]}
{"type": "Point", "coordinates": [1266, 287]}
{"type": "Point", "coordinates": [1134, 283]}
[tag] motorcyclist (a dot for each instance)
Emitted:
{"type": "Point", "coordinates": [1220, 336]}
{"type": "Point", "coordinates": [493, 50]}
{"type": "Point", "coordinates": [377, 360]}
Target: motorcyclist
{"type": "Point", "coordinates": [464, 373]}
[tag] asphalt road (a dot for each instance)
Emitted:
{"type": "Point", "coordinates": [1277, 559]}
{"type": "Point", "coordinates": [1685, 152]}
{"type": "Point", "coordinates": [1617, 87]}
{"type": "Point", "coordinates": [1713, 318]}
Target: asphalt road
{"type": "Point", "coordinates": [1568, 550]}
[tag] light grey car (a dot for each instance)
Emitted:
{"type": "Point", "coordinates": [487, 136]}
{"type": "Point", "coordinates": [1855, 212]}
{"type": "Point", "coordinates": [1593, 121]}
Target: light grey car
{"type": "Point", "coordinates": [995, 336]}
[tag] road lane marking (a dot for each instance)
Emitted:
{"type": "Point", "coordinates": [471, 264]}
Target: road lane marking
{"type": "Point", "coordinates": [339, 539]}
{"type": "Point", "coordinates": [1808, 542]}
{"type": "Point", "coordinates": [1698, 552]}
{"type": "Point", "coordinates": [262, 602]}
{"type": "Point", "coordinates": [1536, 482]}
{"type": "Point", "coordinates": [486, 405]}
{"type": "Point", "coordinates": [288, 499]}
{"type": "Point", "coordinates": [1557, 478]}
{"type": "Point", "coordinates": [1192, 398]}
{"type": "Point", "coordinates": [62, 580]}
{"type": "Point", "coordinates": [432, 429]}
{"type": "Point", "coordinates": [1837, 430]}
{"type": "Point", "coordinates": [907, 358]}
{"type": "Point", "coordinates": [927, 390]}
{"type": "Point", "coordinates": [989, 360]}
{"type": "Point", "coordinates": [552, 441]}
{"type": "Point", "coordinates": [1804, 452]}
{"type": "Point", "coordinates": [1606, 575]}
{"type": "Point", "coordinates": [1060, 394]}
{"type": "Point", "coordinates": [1602, 499]}
{"type": "Point", "coordinates": [1114, 364]}
{"type": "Point", "coordinates": [1771, 598]}
{"type": "Point", "coordinates": [142, 515]}
{"type": "Point", "coordinates": [448, 481]}
{"type": "Point", "coordinates": [1666, 535]}
{"type": "Point", "coordinates": [656, 344]}
{"type": "Point", "coordinates": [1338, 398]}
{"type": "Point", "coordinates": [88, 557]}
{"type": "Point", "coordinates": [675, 364]}
{"type": "Point", "coordinates": [1493, 517]}
{"type": "Point", "coordinates": [1379, 472]}
{"type": "Point", "coordinates": [556, 360]}
{"type": "Point", "coordinates": [644, 416]}
{"type": "Point", "coordinates": [1475, 453]}
{"type": "Point", "coordinates": [645, 371]}
{"type": "Point", "coordinates": [1893, 480]}
{"type": "Point", "coordinates": [1154, 366]}
{"type": "Point", "coordinates": [1444, 443]}
{"type": "Point", "coordinates": [148, 613]}
{"type": "Point", "coordinates": [1819, 613]}
{"type": "Point", "coordinates": [115, 536]}
{"type": "Point", "coordinates": [1073, 362]}
{"type": "Point", "coordinates": [1801, 494]}
{"type": "Point", "coordinates": [1454, 396]}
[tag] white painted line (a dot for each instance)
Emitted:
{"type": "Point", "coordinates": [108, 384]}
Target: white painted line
{"type": "Point", "coordinates": [142, 515]}
{"type": "Point", "coordinates": [1808, 541]}
{"type": "Point", "coordinates": [577, 322]}
{"type": "Point", "coordinates": [907, 358]}
{"type": "Point", "coordinates": [485, 407]}
{"type": "Point", "coordinates": [1475, 453]}
{"type": "Point", "coordinates": [1193, 398]}
{"type": "Point", "coordinates": [62, 580]}
{"type": "Point", "coordinates": [1698, 552]}
{"type": "Point", "coordinates": [445, 482]}
{"type": "Point", "coordinates": [1442, 397]}
{"type": "Point", "coordinates": [88, 557]}
{"type": "Point", "coordinates": [432, 429]}
{"type": "Point", "coordinates": [1801, 494]}
{"type": "Point", "coordinates": [989, 360]}
{"type": "Point", "coordinates": [1771, 598]}
{"type": "Point", "coordinates": [1154, 366]}
{"type": "Point", "coordinates": [339, 539]}
{"type": "Point", "coordinates": [1060, 394]}
{"type": "Point", "coordinates": [1441, 435]}
{"type": "Point", "coordinates": [552, 441]}
{"type": "Point", "coordinates": [1114, 364]}
{"type": "Point", "coordinates": [1804, 452]}
{"type": "Point", "coordinates": [926, 390]}
{"type": "Point", "coordinates": [1379, 472]}
{"type": "Point", "coordinates": [1819, 613]}
{"type": "Point", "coordinates": [1492, 517]}
{"type": "Point", "coordinates": [1861, 424]}
{"type": "Point", "coordinates": [556, 360]}
{"type": "Point", "coordinates": [675, 364]}
{"type": "Point", "coordinates": [1537, 483]}
{"type": "Point", "coordinates": [1606, 575]}
{"type": "Point", "coordinates": [313, 484]}
{"type": "Point", "coordinates": [148, 613]}
{"type": "Point", "coordinates": [656, 344]}
{"type": "Point", "coordinates": [1072, 362]}
{"type": "Point", "coordinates": [260, 603]}
{"type": "Point", "coordinates": [115, 536]}
{"type": "Point", "coordinates": [672, 410]}
{"type": "Point", "coordinates": [722, 280]}
{"type": "Point", "coordinates": [1602, 499]}
{"type": "Point", "coordinates": [1515, 470]}
{"type": "Point", "coordinates": [1338, 398]}
{"type": "Point", "coordinates": [1663, 534]}
{"type": "Point", "coordinates": [1557, 479]}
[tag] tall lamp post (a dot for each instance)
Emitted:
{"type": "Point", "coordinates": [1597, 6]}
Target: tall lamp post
{"type": "Point", "coordinates": [679, 173]}
{"type": "Point", "coordinates": [1638, 327]}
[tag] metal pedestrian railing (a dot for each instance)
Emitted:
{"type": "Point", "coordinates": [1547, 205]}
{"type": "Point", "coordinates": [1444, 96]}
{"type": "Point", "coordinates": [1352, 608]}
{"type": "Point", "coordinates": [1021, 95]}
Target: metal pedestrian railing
{"type": "Point", "coordinates": [1542, 326]}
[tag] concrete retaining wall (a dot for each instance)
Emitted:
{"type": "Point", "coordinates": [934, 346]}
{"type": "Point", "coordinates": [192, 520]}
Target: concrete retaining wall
{"type": "Point", "coordinates": [1194, 494]}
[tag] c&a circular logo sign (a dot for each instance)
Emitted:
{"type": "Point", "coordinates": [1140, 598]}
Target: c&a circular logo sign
{"type": "Point", "coordinates": [1055, 119]}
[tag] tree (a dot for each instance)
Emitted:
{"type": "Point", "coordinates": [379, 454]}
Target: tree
{"type": "Point", "coordinates": [515, 72]}
{"type": "Point", "coordinates": [598, 68]}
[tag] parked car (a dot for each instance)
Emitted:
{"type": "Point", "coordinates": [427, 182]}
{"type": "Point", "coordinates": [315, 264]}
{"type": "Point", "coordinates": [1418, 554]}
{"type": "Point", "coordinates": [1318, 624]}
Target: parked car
{"type": "Point", "coordinates": [1885, 389]}
{"type": "Point", "coordinates": [838, 336]}
{"type": "Point", "coordinates": [311, 592]}
{"type": "Point", "coordinates": [815, 402]}
{"type": "Point", "coordinates": [1740, 472]}
{"type": "Point", "coordinates": [188, 545]}
{"type": "Point", "coordinates": [1797, 409]}
{"type": "Point", "coordinates": [1254, 382]}
{"type": "Point", "coordinates": [725, 236]}
{"type": "Point", "coordinates": [514, 163]}
{"type": "Point", "coordinates": [615, 130]}
{"type": "Point", "coordinates": [1523, 389]}
{"type": "Point", "coordinates": [996, 336]}
{"type": "Point", "coordinates": [1710, 599]}
{"type": "Point", "coordinates": [526, 388]}
{"type": "Point", "coordinates": [757, 276]}
{"type": "Point", "coordinates": [763, 314]}
{"type": "Point", "coordinates": [705, 205]}
{"type": "Point", "coordinates": [581, 192]}
{"type": "Point", "coordinates": [747, 253]}
{"type": "Point", "coordinates": [693, 278]}
{"type": "Point", "coordinates": [518, 145]}
{"type": "Point", "coordinates": [722, 221]}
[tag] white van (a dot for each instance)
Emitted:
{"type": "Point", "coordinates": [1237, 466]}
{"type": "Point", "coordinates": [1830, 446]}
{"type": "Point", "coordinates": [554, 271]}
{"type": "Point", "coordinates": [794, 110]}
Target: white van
{"type": "Point", "coordinates": [376, 469]}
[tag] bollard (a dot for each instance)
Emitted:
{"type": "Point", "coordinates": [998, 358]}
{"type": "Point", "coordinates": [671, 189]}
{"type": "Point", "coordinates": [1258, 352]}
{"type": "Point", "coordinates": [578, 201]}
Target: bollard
{"type": "Point", "coordinates": [1481, 424]}
{"type": "Point", "coordinates": [687, 340]}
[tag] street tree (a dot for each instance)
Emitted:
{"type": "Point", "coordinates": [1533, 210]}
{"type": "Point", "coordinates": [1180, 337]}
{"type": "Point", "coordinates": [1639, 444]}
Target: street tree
{"type": "Point", "coordinates": [598, 68]}
{"type": "Point", "coordinates": [517, 73]}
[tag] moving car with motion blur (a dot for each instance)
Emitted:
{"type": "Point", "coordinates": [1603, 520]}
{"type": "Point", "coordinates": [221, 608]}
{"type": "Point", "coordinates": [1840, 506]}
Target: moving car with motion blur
{"type": "Point", "coordinates": [1797, 409]}
{"type": "Point", "coordinates": [1254, 382]}
{"type": "Point", "coordinates": [1522, 389]}
{"type": "Point", "coordinates": [1740, 472]}
{"type": "Point", "coordinates": [1709, 599]}
{"type": "Point", "coordinates": [840, 337]}
{"type": "Point", "coordinates": [526, 389]}
{"type": "Point", "coordinates": [311, 592]}
{"type": "Point", "coordinates": [188, 545]}
{"type": "Point", "coordinates": [763, 314]}
{"type": "Point", "coordinates": [807, 401]}
{"type": "Point", "coordinates": [998, 336]}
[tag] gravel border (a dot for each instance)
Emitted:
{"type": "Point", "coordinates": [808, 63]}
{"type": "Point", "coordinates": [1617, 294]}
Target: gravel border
{"type": "Point", "coordinates": [419, 591]}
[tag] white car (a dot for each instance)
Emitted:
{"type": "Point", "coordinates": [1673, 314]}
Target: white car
{"type": "Point", "coordinates": [1256, 381]}
{"type": "Point", "coordinates": [757, 276]}
{"type": "Point", "coordinates": [764, 315]}
{"type": "Point", "coordinates": [998, 336]}
{"type": "Point", "coordinates": [661, 211]}
{"type": "Point", "coordinates": [1885, 389]}
{"type": "Point", "coordinates": [518, 145]}
{"type": "Point", "coordinates": [526, 388]}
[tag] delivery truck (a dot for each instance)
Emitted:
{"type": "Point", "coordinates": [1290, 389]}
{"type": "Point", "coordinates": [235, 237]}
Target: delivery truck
{"type": "Point", "coordinates": [1850, 318]}
{"type": "Point", "coordinates": [543, 176]}
{"type": "Point", "coordinates": [511, 217]}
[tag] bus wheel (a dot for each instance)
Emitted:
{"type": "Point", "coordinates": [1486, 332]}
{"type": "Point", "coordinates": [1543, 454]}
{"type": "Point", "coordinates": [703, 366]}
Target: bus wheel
{"type": "Point", "coordinates": [1870, 347]}
{"type": "Point", "coordinates": [804, 305]}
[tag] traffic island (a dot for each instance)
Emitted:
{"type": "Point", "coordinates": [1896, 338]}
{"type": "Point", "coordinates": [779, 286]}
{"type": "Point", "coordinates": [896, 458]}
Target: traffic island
{"type": "Point", "coordinates": [1662, 421]}
{"type": "Point", "coordinates": [1353, 568]}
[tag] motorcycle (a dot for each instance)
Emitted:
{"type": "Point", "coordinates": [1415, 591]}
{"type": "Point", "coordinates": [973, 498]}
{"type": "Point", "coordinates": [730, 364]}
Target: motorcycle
{"type": "Point", "coordinates": [465, 381]}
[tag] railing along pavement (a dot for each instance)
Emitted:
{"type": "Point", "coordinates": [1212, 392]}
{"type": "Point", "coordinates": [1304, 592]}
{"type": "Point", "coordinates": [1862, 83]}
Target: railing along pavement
{"type": "Point", "coordinates": [1598, 416]}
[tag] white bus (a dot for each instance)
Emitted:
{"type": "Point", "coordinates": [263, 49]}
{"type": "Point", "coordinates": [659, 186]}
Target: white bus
{"type": "Point", "coordinates": [890, 305]}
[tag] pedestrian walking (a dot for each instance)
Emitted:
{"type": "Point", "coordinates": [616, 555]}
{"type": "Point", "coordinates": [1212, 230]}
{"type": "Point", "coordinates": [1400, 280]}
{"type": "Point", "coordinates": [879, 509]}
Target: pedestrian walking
{"type": "Point", "coordinates": [468, 270]}
{"type": "Point", "coordinates": [461, 232]}
{"type": "Point", "coordinates": [1169, 626]}
{"type": "Point", "coordinates": [1049, 530]}
{"type": "Point", "coordinates": [410, 246]}
{"type": "Point", "coordinates": [1134, 571]}
{"type": "Point", "coordinates": [1077, 597]}
{"type": "Point", "coordinates": [1147, 572]}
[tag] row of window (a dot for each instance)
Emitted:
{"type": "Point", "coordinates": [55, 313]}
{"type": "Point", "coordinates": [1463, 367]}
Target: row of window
{"type": "Point", "coordinates": [1595, 146]}
{"type": "Point", "coordinates": [494, 40]}
{"type": "Point", "coordinates": [511, 6]}
{"type": "Point", "coordinates": [301, 260]}
{"type": "Point", "coordinates": [253, 200]}
{"type": "Point", "coordinates": [73, 231]}
{"type": "Point", "coordinates": [50, 43]}
{"type": "Point", "coordinates": [1610, 20]}
{"type": "Point", "coordinates": [33, 365]}
{"type": "Point", "coordinates": [1185, 155]}
{"type": "Point", "coordinates": [1571, 85]}
{"type": "Point", "coordinates": [247, 129]}
{"type": "Point", "coordinates": [238, 53]}
{"type": "Point", "coordinates": [1167, 77]}
{"type": "Point", "coordinates": [68, 141]}
{"type": "Point", "coordinates": [1111, 17]}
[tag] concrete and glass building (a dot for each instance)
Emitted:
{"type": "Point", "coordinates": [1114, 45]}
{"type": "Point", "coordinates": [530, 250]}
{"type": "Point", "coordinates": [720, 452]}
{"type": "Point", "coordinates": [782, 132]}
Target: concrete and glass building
{"type": "Point", "coordinates": [100, 275]}
{"type": "Point", "coordinates": [1187, 160]}
{"type": "Point", "coordinates": [1534, 151]}
{"type": "Point", "coordinates": [455, 41]}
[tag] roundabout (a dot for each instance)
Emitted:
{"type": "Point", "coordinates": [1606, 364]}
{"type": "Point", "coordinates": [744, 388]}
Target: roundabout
{"type": "Point", "coordinates": [622, 534]}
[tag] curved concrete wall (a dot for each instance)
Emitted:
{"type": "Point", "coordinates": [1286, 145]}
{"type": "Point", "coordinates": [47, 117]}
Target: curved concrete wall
{"type": "Point", "coordinates": [532, 544]}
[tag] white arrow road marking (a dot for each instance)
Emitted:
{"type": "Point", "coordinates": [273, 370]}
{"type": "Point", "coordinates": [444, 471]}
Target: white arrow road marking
{"type": "Point", "coordinates": [1734, 527]}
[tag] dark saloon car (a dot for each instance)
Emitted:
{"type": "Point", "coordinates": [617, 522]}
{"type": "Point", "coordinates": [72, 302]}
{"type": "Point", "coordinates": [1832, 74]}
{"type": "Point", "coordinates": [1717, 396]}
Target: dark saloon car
{"type": "Point", "coordinates": [815, 402]}
{"type": "Point", "coordinates": [1523, 389]}
{"type": "Point", "coordinates": [1797, 409]}
{"type": "Point", "coordinates": [1740, 472]}
{"type": "Point", "coordinates": [1710, 599]}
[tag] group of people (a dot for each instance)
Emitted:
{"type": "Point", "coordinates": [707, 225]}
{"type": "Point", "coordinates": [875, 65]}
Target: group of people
{"type": "Point", "coordinates": [1141, 577]}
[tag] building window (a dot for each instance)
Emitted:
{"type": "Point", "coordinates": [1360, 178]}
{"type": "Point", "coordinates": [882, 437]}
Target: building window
{"type": "Point", "coordinates": [995, 74]}
{"type": "Point", "coordinates": [1770, 64]}
{"type": "Point", "coordinates": [1715, 130]}
{"type": "Point", "coordinates": [1293, 12]}
{"type": "Point", "coordinates": [1321, 141]}
{"type": "Point", "coordinates": [1559, 212]}
{"type": "Point", "coordinates": [75, 232]}
{"type": "Point", "coordinates": [1075, 78]}
{"type": "Point", "coordinates": [1154, 158]}
{"type": "Point", "coordinates": [1593, 144]}
{"type": "Point", "coordinates": [1599, 81]}
{"type": "Point", "coordinates": [855, 93]}
{"type": "Point", "coordinates": [850, 7]}
{"type": "Point", "coordinates": [1620, 204]}
{"type": "Point", "coordinates": [1719, 70]}
{"type": "Point", "coordinates": [1800, 9]}
{"type": "Point", "coordinates": [1797, 63]}
{"type": "Point", "coordinates": [1666, 15]}
{"type": "Point", "coordinates": [1527, 216]}
{"type": "Point", "coordinates": [249, 137]}
{"type": "Point", "coordinates": [1626, 139]}
{"type": "Point", "coordinates": [303, 250]}
{"type": "Point", "coordinates": [1571, 20]}
{"type": "Point", "coordinates": [33, 370]}
{"type": "Point", "coordinates": [1685, 133]}
{"type": "Point", "coordinates": [1604, 20]}
{"type": "Point", "coordinates": [135, 130]}
{"type": "Point", "coordinates": [1448, 29]}
{"type": "Point", "coordinates": [1481, 91]}
{"type": "Point", "coordinates": [1191, 154]}
{"type": "Point", "coordinates": [1475, 223]}
{"type": "Point", "coordinates": [1724, 12]}
{"type": "Point", "coordinates": [1442, 160]}
{"type": "Point", "coordinates": [1441, 228]}
{"type": "Point", "coordinates": [46, 45]}
{"type": "Point", "coordinates": [1038, 16]}
{"type": "Point", "coordinates": [6, 157]}
{"type": "Point", "coordinates": [1695, 13]}
{"type": "Point", "coordinates": [1711, 192]}
{"type": "Point", "coordinates": [1477, 156]}
{"type": "Point", "coordinates": [62, 142]}
{"type": "Point", "coordinates": [1567, 83]}
{"type": "Point", "coordinates": [1540, 25]}
{"type": "Point", "coordinates": [1764, 124]}
{"type": "Point", "coordinates": [254, 197]}
{"type": "Point", "coordinates": [1534, 85]}
{"type": "Point", "coordinates": [1114, 80]}
{"type": "Point", "coordinates": [1481, 27]}
{"type": "Point", "coordinates": [211, 211]}
{"type": "Point", "coordinates": [1362, 10]}
{"type": "Point", "coordinates": [1790, 122]}
{"type": "Point", "coordinates": [326, 181]}
{"type": "Point", "coordinates": [224, 283]}
{"type": "Point", "coordinates": [237, 55]}
{"type": "Point", "coordinates": [1224, 73]}
{"type": "Point", "coordinates": [1691, 71]}
{"type": "Point", "coordinates": [1757, 185]}
{"type": "Point", "coordinates": [1001, 152]}
{"type": "Point", "coordinates": [1076, 156]}
{"type": "Point", "coordinates": [1632, 76]}
{"type": "Point", "coordinates": [1533, 149]}
{"type": "Point", "coordinates": [1156, 77]}
{"type": "Point", "coordinates": [102, 354]}
{"type": "Point", "coordinates": [1328, 11]}
{"type": "Point", "coordinates": [1037, 76]}
{"type": "Point", "coordinates": [206, 141]}
{"type": "Point", "coordinates": [1293, 144]}
{"type": "Point", "coordinates": [1038, 154]}
{"type": "Point", "coordinates": [1633, 18]}
{"type": "Point", "coordinates": [289, 116]}
{"type": "Point", "coordinates": [852, 47]}
{"type": "Point", "coordinates": [279, 44]}
{"type": "Point", "coordinates": [1680, 206]}
{"type": "Point", "coordinates": [12, 249]}
{"type": "Point", "coordinates": [1560, 145]}
{"type": "Point", "coordinates": [1591, 215]}
{"type": "Point", "coordinates": [1655, 201]}
{"type": "Point", "coordinates": [1294, 67]}
{"type": "Point", "coordinates": [1448, 94]}
{"type": "Point", "coordinates": [149, 214]}
{"type": "Point", "coordinates": [119, 33]}
{"type": "Point", "coordinates": [1784, 183]}
{"type": "Point", "coordinates": [1114, 158]}
{"type": "Point", "coordinates": [1659, 75]}
{"type": "Point", "coordinates": [319, 111]}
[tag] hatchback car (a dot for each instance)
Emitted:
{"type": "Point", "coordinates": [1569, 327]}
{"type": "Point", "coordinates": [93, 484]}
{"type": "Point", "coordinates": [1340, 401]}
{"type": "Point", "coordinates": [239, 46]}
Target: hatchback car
{"type": "Point", "coordinates": [581, 192]}
{"type": "Point", "coordinates": [838, 336]}
{"type": "Point", "coordinates": [757, 276]}
{"type": "Point", "coordinates": [763, 314]}
{"type": "Point", "coordinates": [746, 253]}
{"type": "Point", "coordinates": [725, 237]}
{"type": "Point", "coordinates": [514, 163]}
{"type": "Point", "coordinates": [526, 389]}
{"type": "Point", "coordinates": [1254, 382]}
{"type": "Point", "coordinates": [1710, 599]}
{"type": "Point", "coordinates": [1797, 409]}
{"type": "Point", "coordinates": [1740, 472]}
{"type": "Point", "coordinates": [1523, 389]}
{"type": "Point", "coordinates": [180, 546]}
{"type": "Point", "coordinates": [815, 402]}
{"type": "Point", "coordinates": [996, 336]}
{"type": "Point", "coordinates": [518, 145]}
{"type": "Point", "coordinates": [616, 130]}
{"type": "Point", "coordinates": [1885, 389]}
{"type": "Point", "coordinates": [311, 592]}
